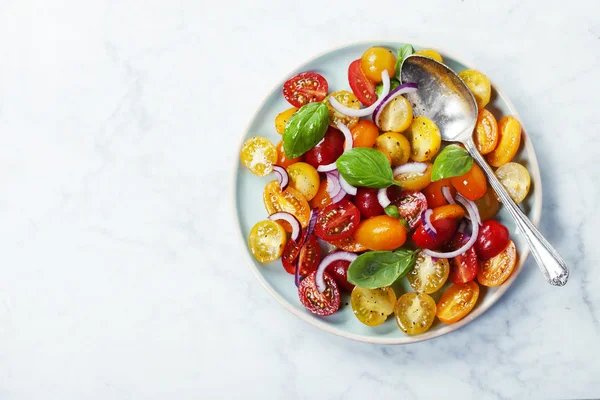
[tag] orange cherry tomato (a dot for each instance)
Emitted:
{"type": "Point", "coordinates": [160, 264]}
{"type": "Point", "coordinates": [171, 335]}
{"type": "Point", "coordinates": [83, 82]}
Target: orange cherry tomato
{"type": "Point", "coordinates": [349, 244]}
{"type": "Point", "coordinates": [489, 205]}
{"type": "Point", "coordinates": [282, 159]}
{"type": "Point", "coordinates": [322, 198]}
{"type": "Point", "coordinates": [433, 193]}
{"type": "Point", "coordinates": [364, 133]}
{"type": "Point", "coordinates": [496, 270]}
{"type": "Point", "coordinates": [415, 180]}
{"type": "Point", "coordinates": [289, 200]}
{"type": "Point", "coordinates": [380, 233]}
{"type": "Point", "coordinates": [452, 211]}
{"type": "Point", "coordinates": [509, 140]}
{"type": "Point", "coordinates": [457, 302]}
{"type": "Point", "coordinates": [472, 185]}
{"type": "Point", "coordinates": [486, 132]}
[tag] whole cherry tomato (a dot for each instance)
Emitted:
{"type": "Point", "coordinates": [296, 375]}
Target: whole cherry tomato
{"type": "Point", "coordinates": [472, 185]}
{"type": "Point", "coordinates": [366, 201]}
{"type": "Point", "coordinates": [493, 237]}
{"type": "Point", "coordinates": [445, 230]}
{"type": "Point", "coordinates": [433, 193]}
{"type": "Point", "coordinates": [339, 271]}
{"type": "Point", "coordinates": [328, 150]}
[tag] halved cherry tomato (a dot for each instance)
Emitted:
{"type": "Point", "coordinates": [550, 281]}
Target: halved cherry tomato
{"type": "Point", "coordinates": [496, 270]}
{"type": "Point", "coordinates": [282, 159]}
{"type": "Point", "coordinates": [322, 304]}
{"type": "Point", "coordinates": [478, 84]}
{"type": "Point", "coordinates": [367, 203]}
{"type": "Point", "coordinates": [486, 132]}
{"type": "Point", "coordinates": [410, 203]}
{"type": "Point", "coordinates": [431, 54]}
{"type": "Point", "coordinates": [337, 221]}
{"type": "Point", "coordinates": [488, 206]}
{"type": "Point", "coordinates": [516, 180]}
{"type": "Point", "coordinates": [347, 99]}
{"type": "Point", "coordinates": [395, 145]}
{"type": "Point", "coordinates": [322, 198]}
{"type": "Point", "coordinates": [415, 312]}
{"type": "Point", "coordinates": [266, 241]}
{"type": "Point", "coordinates": [428, 276]}
{"type": "Point", "coordinates": [328, 150]}
{"type": "Point", "coordinates": [509, 140]}
{"type": "Point", "coordinates": [457, 302]}
{"type": "Point", "coordinates": [361, 86]}
{"type": "Point", "coordinates": [463, 268]}
{"type": "Point", "coordinates": [372, 306]}
{"type": "Point", "coordinates": [493, 237]}
{"type": "Point", "coordinates": [445, 230]}
{"type": "Point", "coordinates": [434, 195]}
{"type": "Point", "coordinates": [308, 257]}
{"type": "Point", "coordinates": [339, 271]}
{"type": "Point", "coordinates": [305, 88]}
{"type": "Point", "coordinates": [304, 178]}
{"type": "Point", "coordinates": [349, 244]}
{"type": "Point", "coordinates": [282, 119]}
{"type": "Point", "coordinates": [424, 137]}
{"type": "Point", "coordinates": [375, 60]}
{"type": "Point", "coordinates": [289, 200]}
{"type": "Point", "coordinates": [364, 134]}
{"type": "Point", "coordinates": [472, 185]}
{"type": "Point", "coordinates": [415, 180]}
{"type": "Point", "coordinates": [259, 155]}
{"type": "Point", "coordinates": [380, 233]}
{"type": "Point", "coordinates": [396, 115]}
{"type": "Point", "coordinates": [452, 211]}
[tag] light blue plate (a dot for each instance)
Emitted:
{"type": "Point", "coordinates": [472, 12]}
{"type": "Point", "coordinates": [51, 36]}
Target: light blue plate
{"type": "Point", "coordinates": [333, 65]}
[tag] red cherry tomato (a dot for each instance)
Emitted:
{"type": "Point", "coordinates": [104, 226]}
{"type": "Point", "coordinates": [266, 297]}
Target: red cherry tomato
{"type": "Point", "coordinates": [308, 257]}
{"type": "Point", "coordinates": [463, 268]}
{"type": "Point", "coordinates": [339, 271]}
{"type": "Point", "coordinates": [493, 237]}
{"type": "Point", "coordinates": [337, 221]}
{"type": "Point", "coordinates": [410, 203]}
{"type": "Point", "coordinates": [445, 230]}
{"type": "Point", "coordinates": [328, 150]}
{"type": "Point", "coordinates": [305, 88]}
{"type": "Point", "coordinates": [323, 304]}
{"type": "Point", "coordinates": [362, 87]}
{"type": "Point", "coordinates": [367, 203]}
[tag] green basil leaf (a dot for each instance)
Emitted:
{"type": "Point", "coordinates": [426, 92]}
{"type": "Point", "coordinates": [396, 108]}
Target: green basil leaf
{"type": "Point", "coordinates": [377, 269]}
{"type": "Point", "coordinates": [305, 129]}
{"type": "Point", "coordinates": [366, 167]}
{"type": "Point", "coordinates": [452, 161]}
{"type": "Point", "coordinates": [392, 211]}
{"type": "Point", "coordinates": [405, 224]}
{"type": "Point", "coordinates": [394, 83]}
{"type": "Point", "coordinates": [403, 52]}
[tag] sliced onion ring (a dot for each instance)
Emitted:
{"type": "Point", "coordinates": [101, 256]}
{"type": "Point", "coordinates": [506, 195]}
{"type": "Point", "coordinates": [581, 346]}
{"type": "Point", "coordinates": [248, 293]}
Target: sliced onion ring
{"type": "Point", "coordinates": [282, 176]}
{"type": "Point", "coordinates": [348, 188]}
{"type": "Point", "coordinates": [466, 246]}
{"type": "Point", "coordinates": [348, 140]}
{"type": "Point", "coordinates": [289, 218]}
{"type": "Point", "coordinates": [410, 168]}
{"type": "Point", "coordinates": [427, 225]}
{"type": "Point", "coordinates": [409, 87]}
{"type": "Point", "coordinates": [382, 198]}
{"type": "Point", "coordinates": [327, 167]}
{"type": "Point", "coordinates": [338, 255]}
{"type": "Point", "coordinates": [338, 197]}
{"type": "Point", "coordinates": [333, 183]}
{"type": "Point", "coordinates": [351, 112]}
{"type": "Point", "coordinates": [477, 219]}
{"type": "Point", "coordinates": [448, 195]}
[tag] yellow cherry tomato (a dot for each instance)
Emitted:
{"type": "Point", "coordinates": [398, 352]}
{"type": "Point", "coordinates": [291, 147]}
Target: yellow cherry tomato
{"type": "Point", "coordinates": [372, 306]}
{"type": "Point", "coordinates": [515, 179]}
{"type": "Point", "coordinates": [479, 85]}
{"type": "Point", "coordinates": [489, 205]}
{"type": "Point", "coordinates": [486, 132]}
{"type": "Point", "coordinates": [457, 302]}
{"type": "Point", "coordinates": [305, 179]}
{"type": "Point", "coordinates": [376, 60]}
{"type": "Point", "coordinates": [509, 140]}
{"type": "Point", "coordinates": [347, 99]}
{"type": "Point", "coordinates": [428, 276]}
{"type": "Point", "coordinates": [424, 138]}
{"type": "Point", "coordinates": [396, 116]}
{"type": "Point", "coordinates": [415, 180]}
{"type": "Point", "coordinates": [395, 145]}
{"type": "Point", "coordinates": [431, 54]}
{"type": "Point", "coordinates": [380, 233]}
{"type": "Point", "coordinates": [289, 200]}
{"type": "Point", "coordinates": [415, 313]}
{"type": "Point", "coordinates": [282, 119]}
{"type": "Point", "coordinates": [267, 241]}
{"type": "Point", "coordinates": [258, 155]}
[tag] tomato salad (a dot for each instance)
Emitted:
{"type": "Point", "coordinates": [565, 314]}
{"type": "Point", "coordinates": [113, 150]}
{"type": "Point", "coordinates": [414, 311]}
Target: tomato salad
{"type": "Point", "coordinates": [367, 194]}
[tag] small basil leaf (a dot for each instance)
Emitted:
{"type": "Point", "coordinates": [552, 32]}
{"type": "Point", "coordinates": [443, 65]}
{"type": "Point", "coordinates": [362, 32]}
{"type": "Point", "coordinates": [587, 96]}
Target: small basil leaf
{"type": "Point", "coordinates": [394, 83]}
{"type": "Point", "coordinates": [452, 161]}
{"type": "Point", "coordinates": [377, 269]}
{"type": "Point", "coordinates": [403, 52]}
{"type": "Point", "coordinates": [392, 211]}
{"type": "Point", "coordinates": [305, 129]}
{"type": "Point", "coordinates": [405, 224]}
{"type": "Point", "coordinates": [366, 167]}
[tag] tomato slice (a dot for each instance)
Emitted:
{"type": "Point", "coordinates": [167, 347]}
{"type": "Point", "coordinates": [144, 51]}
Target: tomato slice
{"type": "Point", "coordinates": [496, 270]}
{"type": "Point", "coordinates": [337, 221]}
{"type": "Point", "coordinates": [289, 200]}
{"type": "Point", "coordinates": [372, 306]}
{"type": "Point", "coordinates": [305, 88]}
{"type": "Point", "coordinates": [308, 256]}
{"type": "Point", "coordinates": [445, 230]}
{"type": "Point", "coordinates": [322, 304]}
{"type": "Point", "coordinates": [361, 86]}
{"type": "Point", "coordinates": [415, 312]}
{"type": "Point", "coordinates": [463, 268]}
{"type": "Point", "coordinates": [339, 270]}
{"type": "Point", "coordinates": [410, 203]}
{"type": "Point", "coordinates": [457, 302]}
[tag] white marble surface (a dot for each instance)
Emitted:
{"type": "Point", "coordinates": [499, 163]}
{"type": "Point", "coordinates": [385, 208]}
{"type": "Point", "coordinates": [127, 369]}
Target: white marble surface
{"type": "Point", "coordinates": [120, 122]}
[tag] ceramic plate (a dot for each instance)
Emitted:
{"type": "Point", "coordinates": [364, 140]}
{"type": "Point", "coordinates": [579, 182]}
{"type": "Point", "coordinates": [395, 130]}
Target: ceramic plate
{"type": "Point", "coordinates": [333, 65]}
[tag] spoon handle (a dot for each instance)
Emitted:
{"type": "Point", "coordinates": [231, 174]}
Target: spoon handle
{"type": "Point", "coordinates": [550, 262]}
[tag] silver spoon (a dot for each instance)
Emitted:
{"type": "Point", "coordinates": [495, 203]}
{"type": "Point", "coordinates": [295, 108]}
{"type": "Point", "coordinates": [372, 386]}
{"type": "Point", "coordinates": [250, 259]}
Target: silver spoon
{"type": "Point", "coordinates": [445, 99]}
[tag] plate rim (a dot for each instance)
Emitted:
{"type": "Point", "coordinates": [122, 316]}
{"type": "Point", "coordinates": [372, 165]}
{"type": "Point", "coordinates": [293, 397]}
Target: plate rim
{"type": "Point", "coordinates": [405, 339]}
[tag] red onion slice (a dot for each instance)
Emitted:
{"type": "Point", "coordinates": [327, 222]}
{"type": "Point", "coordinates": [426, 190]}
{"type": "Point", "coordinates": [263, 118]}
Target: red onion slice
{"type": "Point", "coordinates": [474, 208]}
{"type": "Point", "coordinates": [308, 231]}
{"type": "Point", "coordinates": [289, 218]}
{"type": "Point", "coordinates": [338, 197]}
{"type": "Point", "coordinates": [348, 188]}
{"type": "Point", "coordinates": [427, 225]}
{"type": "Point", "coordinates": [470, 242]}
{"type": "Point", "coordinates": [349, 141]}
{"type": "Point", "coordinates": [333, 183]}
{"type": "Point", "coordinates": [351, 112]}
{"type": "Point", "coordinates": [382, 198]}
{"type": "Point", "coordinates": [282, 176]}
{"type": "Point", "coordinates": [410, 168]}
{"type": "Point", "coordinates": [409, 87]}
{"type": "Point", "coordinates": [327, 167]}
{"type": "Point", "coordinates": [338, 255]}
{"type": "Point", "coordinates": [448, 195]}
